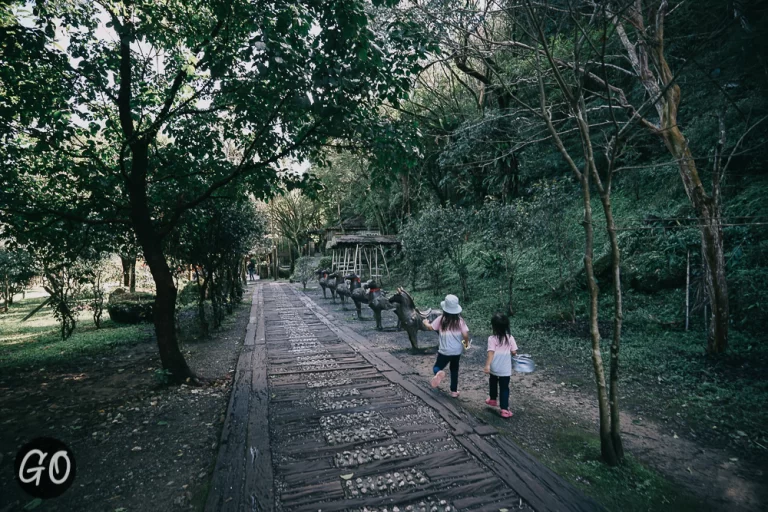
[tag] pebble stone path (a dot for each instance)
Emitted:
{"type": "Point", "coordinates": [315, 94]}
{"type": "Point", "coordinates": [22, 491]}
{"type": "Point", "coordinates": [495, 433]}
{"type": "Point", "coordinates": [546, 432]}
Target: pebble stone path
{"type": "Point", "coordinates": [350, 429]}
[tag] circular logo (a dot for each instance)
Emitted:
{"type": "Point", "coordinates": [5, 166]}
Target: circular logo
{"type": "Point", "coordinates": [45, 468]}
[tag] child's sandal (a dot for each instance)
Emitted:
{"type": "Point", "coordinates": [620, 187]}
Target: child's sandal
{"type": "Point", "coordinates": [492, 403]}
{"type": "Point", "coordinates": [506, 413]}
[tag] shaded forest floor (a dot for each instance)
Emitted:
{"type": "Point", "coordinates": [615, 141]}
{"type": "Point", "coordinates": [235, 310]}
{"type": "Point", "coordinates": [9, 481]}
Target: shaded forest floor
{"type": "Point", "coordinates": [139, 444]}
{"type": "Point", "coordinates": [674, 462]}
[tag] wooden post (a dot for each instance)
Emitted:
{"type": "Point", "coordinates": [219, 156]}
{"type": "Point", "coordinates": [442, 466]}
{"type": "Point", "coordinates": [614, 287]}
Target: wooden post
{"type": "Point", "coordinates": [277, 260]}
{"type": "Point", "coordinates": [368, 259]}
{"type": "Point", "coordinates": [384, 257]}
{"type": "Point", "coordinates": [357, 248]}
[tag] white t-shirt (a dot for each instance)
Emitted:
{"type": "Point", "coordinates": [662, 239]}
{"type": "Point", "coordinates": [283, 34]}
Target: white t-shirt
{"type": "Point", "coordinates": [501, 364]}
{"type": "Point", "coordinates": [450, 341]}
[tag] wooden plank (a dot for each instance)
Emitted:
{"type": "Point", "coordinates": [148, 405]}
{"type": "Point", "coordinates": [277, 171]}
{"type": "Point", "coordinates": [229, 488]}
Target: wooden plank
{"type": "Point", "coordinates": [405, 429]}
{"type": "Point", "coordinates": [321, 370]}
{"type": "Point", "coordinates": [485, 430]}
{"type": "Point", "coordinates": [516, 456]}
{"type": "Point", "coordinates": [450, 415]}
{"type": "Point", "coordinates": [258, 492]}
{"type": "Point", "coordinates": [306, 466]}
{"type": "Point", "coordinates": [229, 473]}
{"type": "Point", "coordinates": [328, 490]}
{"type": "Point", "coordinates": [497, 500]}
{"type": "Point", "coordinates": [395, 363]}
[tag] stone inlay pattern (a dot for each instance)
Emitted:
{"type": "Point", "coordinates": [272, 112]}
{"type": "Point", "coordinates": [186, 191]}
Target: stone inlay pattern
{"type": "Point", "coordinates": [364, 438]}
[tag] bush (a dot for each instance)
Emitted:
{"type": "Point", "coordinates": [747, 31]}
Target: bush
{"type": "Point", "coordinates": [189, 294]}
{"type": "Point", "coordinates": [325, 263]}
{"type": "Point", "coordinates": [304, 271]}
{"type": "Point", "coordinates": [130, 308]}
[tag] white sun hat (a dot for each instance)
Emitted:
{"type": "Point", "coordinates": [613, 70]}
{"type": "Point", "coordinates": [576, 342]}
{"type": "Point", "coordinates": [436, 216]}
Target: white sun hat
{"type": "Point", "coordinates": [451, 305]}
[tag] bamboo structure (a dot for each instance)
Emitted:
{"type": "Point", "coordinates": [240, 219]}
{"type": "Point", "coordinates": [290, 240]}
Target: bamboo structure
{"type": "Point", "coordinates": [359, 254]}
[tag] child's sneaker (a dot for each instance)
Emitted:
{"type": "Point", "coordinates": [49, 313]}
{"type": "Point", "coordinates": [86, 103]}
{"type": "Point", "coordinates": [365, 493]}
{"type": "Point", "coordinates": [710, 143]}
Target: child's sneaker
{"type": "Point", "coordinates": [492, 403]}
{"type": "Point", "coordinates": [437, 379]}
{"type": "Point", "coordinates": [455, 394]}
{"type": "Point", "coordinates": [506, 413]}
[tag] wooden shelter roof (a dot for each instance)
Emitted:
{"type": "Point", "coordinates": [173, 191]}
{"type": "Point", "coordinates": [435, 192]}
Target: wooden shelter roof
{"type": "Point", "coordinates": [354, 240]}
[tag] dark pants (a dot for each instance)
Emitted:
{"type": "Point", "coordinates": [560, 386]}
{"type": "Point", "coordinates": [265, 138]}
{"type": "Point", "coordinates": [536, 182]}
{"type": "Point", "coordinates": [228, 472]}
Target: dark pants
{"type": "Point", "coordinates": [494, 383]}
{"type": "Point", "coordinates": [442, 361]}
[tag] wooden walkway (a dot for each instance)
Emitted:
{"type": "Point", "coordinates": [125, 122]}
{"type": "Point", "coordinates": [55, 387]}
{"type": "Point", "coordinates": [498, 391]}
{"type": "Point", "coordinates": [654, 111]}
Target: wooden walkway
{"type": "Point", "coordinates": [320, 421]}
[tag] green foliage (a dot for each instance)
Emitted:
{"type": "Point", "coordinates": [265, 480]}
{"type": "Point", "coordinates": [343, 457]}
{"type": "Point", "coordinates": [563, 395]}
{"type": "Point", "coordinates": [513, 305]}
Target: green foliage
{"type": "Point", "coordinates": [304, 270]}
{"type": "Point", "coordinates": [17, 268]}
{"type": "Point", "coordinates": [163, 377]}
{"type": "Point", "coordinates": [324, 263]}
{"type": "Point", "coordinates": [189, 293]}
{"type": "Point", "coordinates": [130, 308]}
{"type": "Point", "coordinates": [295, 214]}
{"type": "Point", "coordinates": [215, 237]}
{"type": "Point", "coordinates": [421, 254]}
{"type": "Point", "coordinates": [184, 111]}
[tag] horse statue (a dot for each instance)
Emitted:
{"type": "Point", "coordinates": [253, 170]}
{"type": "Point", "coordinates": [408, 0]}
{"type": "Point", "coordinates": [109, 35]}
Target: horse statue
{"type": "Point", "coordinates": [358, 292]}
{"type": "Point", "coordinates": [332, 281]}
{"type": "Point", "coordinates": [378, 302]}
{"type": "Point", "coordinates": [322, 280]}
{"type": "Point", "coordinates": [411, 318]}
{"type": "Point", "coordinates": [342, 290]}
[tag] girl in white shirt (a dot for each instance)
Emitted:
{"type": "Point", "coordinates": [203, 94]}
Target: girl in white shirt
{"type": "Point", "coordinates": [501, 348]}
{"type": "Point", "coordinates": [454, 339]}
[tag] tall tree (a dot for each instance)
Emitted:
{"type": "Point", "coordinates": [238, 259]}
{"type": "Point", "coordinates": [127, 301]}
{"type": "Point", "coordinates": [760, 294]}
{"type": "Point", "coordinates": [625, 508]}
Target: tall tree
{"type": "Point", "coordinates": [147, 94]}
{"type": "Point", "coordinates": [295, 214]}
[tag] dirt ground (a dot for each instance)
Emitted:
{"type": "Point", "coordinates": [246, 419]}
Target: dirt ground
{"type": "Point", "coordinates": [139, 445]}
{"type": "Point", "coordinates": [544, 405]}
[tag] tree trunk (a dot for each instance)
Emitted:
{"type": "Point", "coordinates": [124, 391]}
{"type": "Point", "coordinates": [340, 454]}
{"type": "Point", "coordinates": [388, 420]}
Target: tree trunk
{"type": "Point", "coordinates": [652, 69]}
{"type": "Point", "coordinates": [5, 295]}
{"type": "Point", "coordinates": [133, 276]}
{"type": "Point", "coordinates": [709, 216]}
{"type": "Point", "coordinates": [230, 290]}
{"type": "Point", "coordinates": [606, 441]}
{"type": "Point", "coordinates": [214, 294]}
{"type": "Point", "coordinates": [618, 317]}
{"type": "Point", "coordinates": [127, 263]}
{"type": "Point", "coordinates": [202, 288]}
{"type": "Point", "coordinates": [687, 289]}
{"type": "Point", "coordinates": [164, 312]}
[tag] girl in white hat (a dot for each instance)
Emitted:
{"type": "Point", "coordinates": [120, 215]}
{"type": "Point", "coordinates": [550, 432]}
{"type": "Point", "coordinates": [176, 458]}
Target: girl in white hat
{"type": "Point", "coordinates": [454, 339]}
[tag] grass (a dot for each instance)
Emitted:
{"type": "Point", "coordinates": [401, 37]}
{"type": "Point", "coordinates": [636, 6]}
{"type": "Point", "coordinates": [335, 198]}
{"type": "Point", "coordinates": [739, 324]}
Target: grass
{"type": "Point", "coordinates": [37, 342]}
{"type": "Point", "coordinates": [630, 487]}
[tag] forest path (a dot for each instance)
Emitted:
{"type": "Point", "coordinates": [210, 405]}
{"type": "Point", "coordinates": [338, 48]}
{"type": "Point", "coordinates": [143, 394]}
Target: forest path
{"type": "Point", "coordinates": [545, 405]}
{"type": "Point", "coordinates": [353, 428]}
